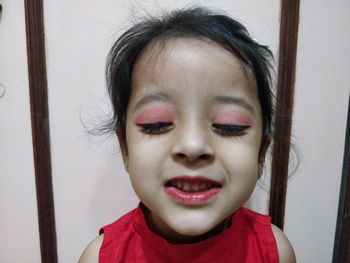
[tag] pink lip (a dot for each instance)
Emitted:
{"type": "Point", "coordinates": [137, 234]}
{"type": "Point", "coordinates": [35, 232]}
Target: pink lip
{"type": "Point", "coordinates": [198, 197]}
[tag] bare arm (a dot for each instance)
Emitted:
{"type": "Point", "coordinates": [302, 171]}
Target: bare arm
{"type": "Point", "coordinates": [285, 249]}
{"type": "Point", "coordinates": [90, 254]}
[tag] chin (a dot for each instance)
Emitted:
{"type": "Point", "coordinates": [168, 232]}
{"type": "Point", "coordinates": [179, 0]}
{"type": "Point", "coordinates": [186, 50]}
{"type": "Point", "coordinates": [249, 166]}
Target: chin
{"type": "Point", "coordinates": [194, 225]}
{"type": "Point", "coordinates": [192, 231]}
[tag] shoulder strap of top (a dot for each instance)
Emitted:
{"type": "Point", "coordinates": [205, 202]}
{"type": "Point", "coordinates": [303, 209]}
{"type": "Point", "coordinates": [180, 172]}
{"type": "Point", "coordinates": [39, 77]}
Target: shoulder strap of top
{"type": "Point", "coordinates": [258, 229]}
{"type": "Point", "coordinates": [114, 234]}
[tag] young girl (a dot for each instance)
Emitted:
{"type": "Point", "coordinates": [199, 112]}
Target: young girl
{"type": "Point", "coordinates": [192, 112]}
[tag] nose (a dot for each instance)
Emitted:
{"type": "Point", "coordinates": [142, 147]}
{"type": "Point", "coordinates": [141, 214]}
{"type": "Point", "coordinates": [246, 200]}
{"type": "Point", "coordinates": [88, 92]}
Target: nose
{"type": "Point", "coordinates": [192, 146]}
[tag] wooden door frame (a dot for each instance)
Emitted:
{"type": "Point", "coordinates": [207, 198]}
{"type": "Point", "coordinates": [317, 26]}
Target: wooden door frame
{"type": "Point", "coordinates": [39, 109]}
{"type": "Point", "coordinates": [341, 252]}
{"type": "Point", "coordinates": [284, 109]}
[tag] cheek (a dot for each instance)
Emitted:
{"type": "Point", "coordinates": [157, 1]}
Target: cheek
{"type": "Point", "coordinates": [143, 159]}
{"type": "Point", "coordinates": [241, 160]}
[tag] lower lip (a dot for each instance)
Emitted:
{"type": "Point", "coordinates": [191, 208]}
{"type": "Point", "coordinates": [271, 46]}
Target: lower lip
{"type": "Point", "coordinates": [191, 198]}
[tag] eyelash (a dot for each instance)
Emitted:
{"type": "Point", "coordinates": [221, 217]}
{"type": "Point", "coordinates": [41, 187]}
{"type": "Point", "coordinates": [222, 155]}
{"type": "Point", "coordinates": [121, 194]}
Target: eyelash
{"type": "Point", "coordinates": [227, 130]}
{"type": "Point", "coordinates": [155, 128]}
{"type": "Point", "coordinates": [230, 130]}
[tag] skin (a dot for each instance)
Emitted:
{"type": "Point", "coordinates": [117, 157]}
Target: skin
{"type": "Point", "coordinates": [183, 86]}
{"type": "Point", "coordinates": [191, 73]}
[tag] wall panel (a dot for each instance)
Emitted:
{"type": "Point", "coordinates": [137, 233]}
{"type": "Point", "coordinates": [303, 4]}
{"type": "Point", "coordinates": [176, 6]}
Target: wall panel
{"type": "Point", "coordinates": [18, 221]}
{"type": "Point", "coordinates": [322, 91]}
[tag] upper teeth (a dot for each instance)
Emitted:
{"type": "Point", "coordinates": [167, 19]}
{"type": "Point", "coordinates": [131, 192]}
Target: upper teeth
{"type": "Point", "coordinates": [191, 187]}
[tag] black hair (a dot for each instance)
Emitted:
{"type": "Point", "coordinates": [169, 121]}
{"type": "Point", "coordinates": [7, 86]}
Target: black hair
{"type": "Point", "coordinates": [195, 22]}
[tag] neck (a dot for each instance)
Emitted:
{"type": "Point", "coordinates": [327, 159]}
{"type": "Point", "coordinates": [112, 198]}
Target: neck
{"type": "Point", "coordinates": [176, 238]}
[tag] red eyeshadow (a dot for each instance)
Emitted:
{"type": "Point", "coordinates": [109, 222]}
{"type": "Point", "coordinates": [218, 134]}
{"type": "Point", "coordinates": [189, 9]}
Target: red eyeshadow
{"type": "Point", "coordinates": [156, 113]}
{"type": "Point", "coordinates": [236, 117]}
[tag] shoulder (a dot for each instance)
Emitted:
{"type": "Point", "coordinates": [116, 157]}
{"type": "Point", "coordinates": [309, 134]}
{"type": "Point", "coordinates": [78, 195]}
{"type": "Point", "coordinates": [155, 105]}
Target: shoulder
{"type": "Point", "coordinates": [285, 249]}
{"type": "Point", "coordinates": [90, 254]}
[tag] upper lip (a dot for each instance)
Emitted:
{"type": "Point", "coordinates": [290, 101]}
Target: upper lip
{"type": "Point", "coordinates": [198, 179]}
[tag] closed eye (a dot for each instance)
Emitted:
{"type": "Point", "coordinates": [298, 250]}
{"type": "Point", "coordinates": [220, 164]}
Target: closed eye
{"type": "Point", "coordinates": [155, 127]}
{"type": "Point", "coordinates": [230, 129]}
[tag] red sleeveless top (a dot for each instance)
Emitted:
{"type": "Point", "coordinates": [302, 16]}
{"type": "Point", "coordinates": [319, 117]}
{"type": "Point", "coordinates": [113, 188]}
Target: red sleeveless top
{"type": "Point", "coordinates": [249, 239]}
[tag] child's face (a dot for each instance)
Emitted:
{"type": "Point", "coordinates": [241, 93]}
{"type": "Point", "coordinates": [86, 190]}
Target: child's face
{"type": "Point", "coordinates": [193, 135]}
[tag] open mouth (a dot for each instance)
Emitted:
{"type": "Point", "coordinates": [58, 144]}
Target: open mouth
{"type": "Point", "coordinates": [190, 190]}
{"type": "Point", "coordinates": [186, 186]}
{"type": "Point", "coordinates": [192, 184]}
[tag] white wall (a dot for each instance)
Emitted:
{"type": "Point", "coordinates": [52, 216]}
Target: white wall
{"type": "Point", "coordinates": [90, 185]}
{"type": "Point", "coordinates": [322, 93]}
{"type": "Point", "coordinates": [19, 240]}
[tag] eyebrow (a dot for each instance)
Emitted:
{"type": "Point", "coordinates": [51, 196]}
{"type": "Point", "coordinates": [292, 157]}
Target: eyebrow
{"type": "Point", "coordinates": [223, 99]}
{"type": "Point", "coordinates": [228, 100]}
{"type": "Point", "coordinates": [158, 96]}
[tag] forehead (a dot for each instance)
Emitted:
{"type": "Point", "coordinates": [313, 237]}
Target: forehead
{"type": "Point", "coordinates": [191, 66]}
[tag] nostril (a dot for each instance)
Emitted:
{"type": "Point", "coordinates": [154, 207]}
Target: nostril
{"type": "Point", "coordinates": [181, 156]}
{"type": "Point", "coordinates": [193, 158]}
{"type": "Point", "coordinates": [192, 149]}
{"type": "Point", "coordinates": [205, 157]}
